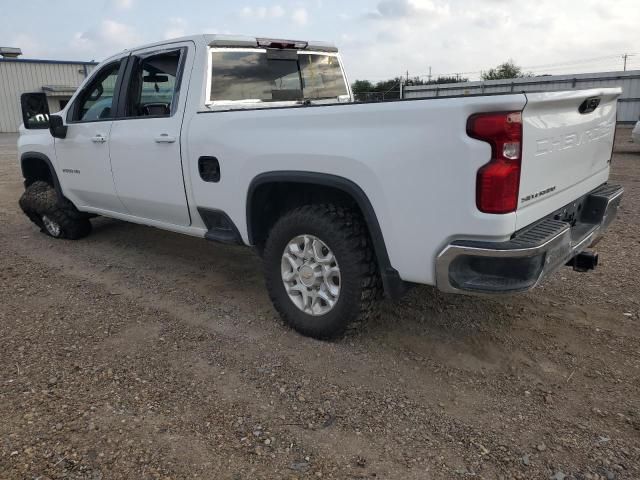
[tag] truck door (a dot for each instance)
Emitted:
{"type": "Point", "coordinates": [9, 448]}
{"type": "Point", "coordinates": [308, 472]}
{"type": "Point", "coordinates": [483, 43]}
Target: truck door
{"type": "Point", "coordinates": [82, 156]}
{"type": "Point", "coordinates": [145, 138]}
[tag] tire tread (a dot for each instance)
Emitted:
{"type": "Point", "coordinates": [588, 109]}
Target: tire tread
{"type": "Point", "coordinates": [348, 226]}
{"type": "Point", "coordinates": [40, 198]}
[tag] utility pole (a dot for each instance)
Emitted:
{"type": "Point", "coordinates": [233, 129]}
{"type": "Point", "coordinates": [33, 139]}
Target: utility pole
{"type": "Point", "coordinates": [429, 77]}
{"type": "Point", "coordinates": [407, 76]}
{"type": "Point", "coordinates": [625, 57]}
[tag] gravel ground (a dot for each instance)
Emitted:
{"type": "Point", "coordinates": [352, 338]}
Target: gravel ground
{"type": "Point", "coordinates": [143, 354]}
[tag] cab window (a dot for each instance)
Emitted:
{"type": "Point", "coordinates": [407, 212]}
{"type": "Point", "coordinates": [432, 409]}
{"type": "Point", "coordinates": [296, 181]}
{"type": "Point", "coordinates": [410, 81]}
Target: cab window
{"type": "Point", "coordinates": [260, 76]}
{"type": "Point", "coordinates": [95, 102]}
{"type": "Point", "coordinates": [152, 89]}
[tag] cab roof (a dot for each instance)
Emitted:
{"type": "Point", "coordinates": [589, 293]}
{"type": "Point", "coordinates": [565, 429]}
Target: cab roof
{"type": "Point", "coordinates": [238, 41]}
{"type": "Point", "coordinates": [251, 42]}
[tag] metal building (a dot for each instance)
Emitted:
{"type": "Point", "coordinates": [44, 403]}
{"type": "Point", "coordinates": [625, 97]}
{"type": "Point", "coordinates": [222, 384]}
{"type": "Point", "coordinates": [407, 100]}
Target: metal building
{"type": "Point", "coordinates": [628, 104]}
{"type": "Point", "coordinates": [57, 79]}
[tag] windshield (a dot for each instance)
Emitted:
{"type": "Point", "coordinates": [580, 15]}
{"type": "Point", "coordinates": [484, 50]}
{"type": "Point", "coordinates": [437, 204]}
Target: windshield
{"type": "Point", "coordinates": [255, 76]}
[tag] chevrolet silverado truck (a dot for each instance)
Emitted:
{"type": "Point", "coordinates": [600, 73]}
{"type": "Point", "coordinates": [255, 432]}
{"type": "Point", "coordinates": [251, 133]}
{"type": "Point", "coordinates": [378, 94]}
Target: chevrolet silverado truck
{"type": "Point", "coordinates": [258, 142]}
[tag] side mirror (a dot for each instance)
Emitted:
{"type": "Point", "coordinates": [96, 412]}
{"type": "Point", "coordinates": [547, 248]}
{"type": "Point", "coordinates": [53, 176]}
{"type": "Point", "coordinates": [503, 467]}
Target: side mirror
{"type": "Point", "coordinates": [35, 110]}
{"type": "Point", "coordinates": [57, 127]}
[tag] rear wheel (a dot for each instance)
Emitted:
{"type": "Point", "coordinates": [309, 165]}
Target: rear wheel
{"type": "Point", "coordinates": [56, 217]}
{"type": "Point", "coordinates": [320, 270]}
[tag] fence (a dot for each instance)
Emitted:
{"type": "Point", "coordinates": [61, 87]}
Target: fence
{"type": "Point", "coordinates": [628, 104]}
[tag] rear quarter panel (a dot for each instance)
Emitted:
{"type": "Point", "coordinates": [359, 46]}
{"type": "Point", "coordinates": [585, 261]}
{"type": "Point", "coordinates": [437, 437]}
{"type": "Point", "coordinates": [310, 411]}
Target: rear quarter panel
{"type": "Point", "coordinates": [413, 159]}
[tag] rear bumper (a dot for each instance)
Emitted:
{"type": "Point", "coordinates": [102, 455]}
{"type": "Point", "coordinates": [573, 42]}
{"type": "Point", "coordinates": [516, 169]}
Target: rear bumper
{"type": "Point", "coordinates": [468, 266]}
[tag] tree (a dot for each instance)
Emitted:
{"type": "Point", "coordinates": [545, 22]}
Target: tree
{"type": "Point", "coordinates": [415, 81]}
{"type": "Point", "coordinates": [507, 69]}
{"type": "Point", "coordinates": [362, 86]}
{"type": "Point", "coordinates": [447, 80]}
{"type": "Point", "coordinates": [364, 90]}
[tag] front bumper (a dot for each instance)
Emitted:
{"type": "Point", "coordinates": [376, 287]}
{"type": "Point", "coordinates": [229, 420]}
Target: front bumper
{"type": "Point", "coordinates": [468, 266]}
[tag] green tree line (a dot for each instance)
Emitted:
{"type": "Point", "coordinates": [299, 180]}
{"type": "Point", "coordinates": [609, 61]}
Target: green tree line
{"type": "Point", "coordinates": [364, 90]}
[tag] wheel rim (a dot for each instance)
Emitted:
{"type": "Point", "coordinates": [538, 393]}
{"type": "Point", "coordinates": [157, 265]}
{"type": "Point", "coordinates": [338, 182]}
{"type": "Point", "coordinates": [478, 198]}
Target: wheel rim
{"type": "Point", "coordinates": [311, 275]}
{"type": "Point", "coordinates": [52, 227]}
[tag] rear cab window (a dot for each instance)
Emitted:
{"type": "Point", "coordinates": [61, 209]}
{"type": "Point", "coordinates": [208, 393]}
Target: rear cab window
{"type": "Point", "coordinates": [153, 84]}
{"type": "Point", "coordinates": [255, 77]}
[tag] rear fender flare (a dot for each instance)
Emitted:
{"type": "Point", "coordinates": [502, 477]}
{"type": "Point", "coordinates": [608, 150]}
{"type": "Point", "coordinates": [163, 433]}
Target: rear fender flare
{"type": "Point", "coordinates": [394, 286]}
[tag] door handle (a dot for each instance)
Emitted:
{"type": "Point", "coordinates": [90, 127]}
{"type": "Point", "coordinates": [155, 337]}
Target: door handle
{"type": "Point", "coordinates": [98, 138]}
{"type": "Point", "coordinates": [165, 138]}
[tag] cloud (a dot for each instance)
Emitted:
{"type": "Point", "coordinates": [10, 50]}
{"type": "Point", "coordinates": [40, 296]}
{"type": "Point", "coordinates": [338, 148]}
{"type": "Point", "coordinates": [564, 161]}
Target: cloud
{"type": "Point", "coordinates": [407, 9]}
{"type": "Point", "coordinates": [30, 46]}
{"type": "Point", "coordinates": [474, 35]}
{"type": "Point", "coordinates": [216, 30]}
{"type": "Point", "coordinates": [123, 4]}
{"type": "Point", "coordinates": [382, 37]}
{"type": "Point", "coordinates": [300, 16]}
{"type": "Point", "coordinates": [115, 35]}
{"type": "Point", "coordinates": [275, 11]}
{"type": "Point", "coordinates": [177, 28]}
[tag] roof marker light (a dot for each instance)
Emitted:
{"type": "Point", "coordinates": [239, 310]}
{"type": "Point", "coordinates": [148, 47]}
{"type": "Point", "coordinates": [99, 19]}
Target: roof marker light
{"type": "Point", "coordinates": [275, 43]}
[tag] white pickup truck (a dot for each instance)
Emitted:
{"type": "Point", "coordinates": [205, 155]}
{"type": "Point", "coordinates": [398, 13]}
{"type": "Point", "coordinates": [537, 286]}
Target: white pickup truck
{"type": "Point", "coordinates": [258, 142]}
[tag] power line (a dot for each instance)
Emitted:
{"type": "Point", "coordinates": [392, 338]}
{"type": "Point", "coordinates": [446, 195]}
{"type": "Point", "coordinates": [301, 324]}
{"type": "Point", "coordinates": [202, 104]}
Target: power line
{"type": "Point", "coordinates": [574, 62]}
{"type": "Point", "coordinates": [603, 62]}
{"type": "Point", "coordinates": [534, 68]}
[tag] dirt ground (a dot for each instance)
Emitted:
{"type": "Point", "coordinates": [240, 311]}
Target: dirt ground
{"type": "Point", "coordinates": [142, 354]}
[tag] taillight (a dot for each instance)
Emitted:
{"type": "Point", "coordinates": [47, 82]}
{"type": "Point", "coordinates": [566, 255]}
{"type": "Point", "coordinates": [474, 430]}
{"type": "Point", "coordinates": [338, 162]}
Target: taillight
{"type": "Point", "coordinates": [498, 182]}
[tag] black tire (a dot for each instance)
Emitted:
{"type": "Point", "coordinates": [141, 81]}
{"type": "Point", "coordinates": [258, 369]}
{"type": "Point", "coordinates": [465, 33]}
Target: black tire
{"type": "Point", "coordinates": [343, 231]}
{"type": "Point", "coordinates": [40, 200]}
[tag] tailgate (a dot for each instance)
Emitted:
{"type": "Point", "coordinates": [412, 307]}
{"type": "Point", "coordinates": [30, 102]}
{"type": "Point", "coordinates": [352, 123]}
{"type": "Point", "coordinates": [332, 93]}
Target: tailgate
{"type": "Point", "coordinates": [567, 144]}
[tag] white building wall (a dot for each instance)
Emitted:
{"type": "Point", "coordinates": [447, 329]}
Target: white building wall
{"type": "Point", "coordinates": [18, 76]}
{"type": "Point", "coordinates": [628, 105]}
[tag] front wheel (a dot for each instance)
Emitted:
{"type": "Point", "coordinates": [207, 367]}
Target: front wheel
{"type": "Point", "coordinates": [320, 270]}
{"type": "Point", "coordinates": [56, 217]}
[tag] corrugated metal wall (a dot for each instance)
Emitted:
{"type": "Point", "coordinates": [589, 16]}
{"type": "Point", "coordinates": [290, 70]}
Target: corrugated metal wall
{"type": "Point", "coordinates": [628, 105]}
{"type": "Point", "coordinates": [19, 76]}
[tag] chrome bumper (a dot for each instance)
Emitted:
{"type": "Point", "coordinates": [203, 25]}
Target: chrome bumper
{"type": "Point", "coordinates": [468, 266]}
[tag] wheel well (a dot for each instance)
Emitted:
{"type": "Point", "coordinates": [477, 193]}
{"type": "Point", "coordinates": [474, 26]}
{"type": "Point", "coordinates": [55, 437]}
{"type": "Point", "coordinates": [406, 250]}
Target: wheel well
{"type": "Point", "coordinates": [272, 194]}
{"type": "Point", "coordinates": [272, 200]}
{"type": "Point", "coordinates": [36, 169]}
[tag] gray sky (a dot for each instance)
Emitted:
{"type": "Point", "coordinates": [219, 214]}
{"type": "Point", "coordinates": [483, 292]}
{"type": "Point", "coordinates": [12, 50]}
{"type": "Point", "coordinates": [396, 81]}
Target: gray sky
{"type": "Point", "coordinates": [378, 39]}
